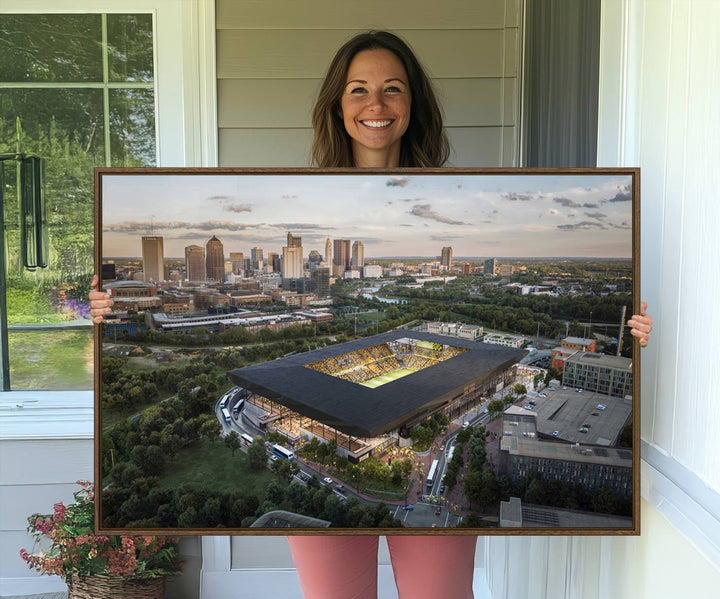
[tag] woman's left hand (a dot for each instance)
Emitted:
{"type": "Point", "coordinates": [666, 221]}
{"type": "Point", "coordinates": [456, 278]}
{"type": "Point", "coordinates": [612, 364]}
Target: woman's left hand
{"type": "Point", "coordinates": [641, 325]}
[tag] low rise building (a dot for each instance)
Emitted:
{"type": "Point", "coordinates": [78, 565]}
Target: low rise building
{"type": "Point", "coordinates": [503, 339]}
{"type": "Point", "coordinates": [610, 375]}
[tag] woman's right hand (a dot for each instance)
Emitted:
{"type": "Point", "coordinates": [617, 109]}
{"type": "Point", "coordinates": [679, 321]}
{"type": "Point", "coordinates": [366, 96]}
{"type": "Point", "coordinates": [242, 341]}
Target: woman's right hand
{"type": "Point", "coordinates": [100, 302]}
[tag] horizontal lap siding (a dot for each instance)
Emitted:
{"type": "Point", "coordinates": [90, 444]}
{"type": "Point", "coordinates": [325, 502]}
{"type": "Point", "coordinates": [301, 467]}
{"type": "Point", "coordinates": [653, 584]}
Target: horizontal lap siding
{"type": "Point", "coordinates": [271, 59]}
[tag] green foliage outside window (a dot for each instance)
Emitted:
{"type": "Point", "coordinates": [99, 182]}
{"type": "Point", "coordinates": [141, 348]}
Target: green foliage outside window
{"type": "Point", "coordinates": [76, 90]}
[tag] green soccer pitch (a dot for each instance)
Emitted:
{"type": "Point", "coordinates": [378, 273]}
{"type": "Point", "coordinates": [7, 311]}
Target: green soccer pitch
{"type": "Point", "coordinates": [378, 381]}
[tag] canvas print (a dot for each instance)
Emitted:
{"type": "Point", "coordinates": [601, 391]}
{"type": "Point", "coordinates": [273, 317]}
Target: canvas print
{"type": "Point", "coordinates": [352, 352]}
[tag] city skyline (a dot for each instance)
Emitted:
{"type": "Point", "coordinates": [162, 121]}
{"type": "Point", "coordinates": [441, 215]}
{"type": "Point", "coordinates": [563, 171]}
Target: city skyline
{"type": "Point", "coordinates": [513, 216]}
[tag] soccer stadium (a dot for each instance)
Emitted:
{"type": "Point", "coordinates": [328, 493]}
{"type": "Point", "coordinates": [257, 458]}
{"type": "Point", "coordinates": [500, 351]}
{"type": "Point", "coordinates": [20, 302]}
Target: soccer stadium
{"type": "Point", "coordinates": [369, 393]}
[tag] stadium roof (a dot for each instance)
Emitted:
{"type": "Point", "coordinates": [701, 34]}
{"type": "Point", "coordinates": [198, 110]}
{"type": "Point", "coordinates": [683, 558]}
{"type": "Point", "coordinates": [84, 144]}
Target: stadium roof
{"type": "Point", "coordinates": [364, 412]}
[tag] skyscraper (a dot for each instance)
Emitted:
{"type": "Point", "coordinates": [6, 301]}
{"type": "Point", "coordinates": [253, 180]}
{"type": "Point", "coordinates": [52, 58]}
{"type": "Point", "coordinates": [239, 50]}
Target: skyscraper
{"type": "Point", "coordinates": [237, 260]}
{"type": "Point", "coordinates": [153, 258]}
{"type": "Point", "coordinates": [214, 259]}
{"type": "Point", "coordinates": [446, 258]}
{"type": "Point", "coordinates": [194, 263]}
{"type": "Point", "coordinates": [292, 264]}
{"type": "Point", "coordinates": [320, 278]}
{"type": "Point", "coordinates": [358, 255]}
{"type": "Point", "coordinates": [273, 261]}
{"type": "Point", "coordinates": [328, 252]}
{"type": "Point", "coordinates": [256, 257]}
{"type": "Point", "coordinates": [294, 242]}
{"type": "Point", "coordinates": [490, 266]}
{"type": "Point", "coordinates": [341, 256]}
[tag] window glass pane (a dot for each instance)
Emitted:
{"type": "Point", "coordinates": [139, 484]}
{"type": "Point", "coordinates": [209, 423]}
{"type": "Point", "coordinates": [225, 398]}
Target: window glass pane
{"type": "Point", "coordinates": [132, 127]}
{"type": "Point", "coordinates": [54, 359]}
{"type": "Point", "coordinates": [38, 48]}
{"type": "Point", "coordinates": [130, 48]}
{"type": "Point", "coordinates": [50, 336]}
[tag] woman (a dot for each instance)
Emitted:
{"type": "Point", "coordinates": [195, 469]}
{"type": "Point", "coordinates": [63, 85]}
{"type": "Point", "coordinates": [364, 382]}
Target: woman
{"type": "Point", "coordinates": [377, 109]}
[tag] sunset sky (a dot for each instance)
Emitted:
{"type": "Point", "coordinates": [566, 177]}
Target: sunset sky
{"type": "Point", "coordinates": [405, 215]}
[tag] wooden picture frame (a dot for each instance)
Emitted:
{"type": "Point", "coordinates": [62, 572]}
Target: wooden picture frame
{"type": "Point", "coordinates": [368, 322]}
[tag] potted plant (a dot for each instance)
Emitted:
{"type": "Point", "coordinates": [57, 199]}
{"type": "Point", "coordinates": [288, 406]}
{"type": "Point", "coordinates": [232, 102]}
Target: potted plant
{"type": "Point", "coordinates": [98, 566]}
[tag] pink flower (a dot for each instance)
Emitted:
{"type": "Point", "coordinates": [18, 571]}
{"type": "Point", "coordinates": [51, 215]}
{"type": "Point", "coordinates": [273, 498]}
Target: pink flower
{"type": "Point", "coordinates": [59, 512]}
{"type": "Point", "coordinates": [24, 555]}
{"type": "Point", "coordinates": [128, 542]}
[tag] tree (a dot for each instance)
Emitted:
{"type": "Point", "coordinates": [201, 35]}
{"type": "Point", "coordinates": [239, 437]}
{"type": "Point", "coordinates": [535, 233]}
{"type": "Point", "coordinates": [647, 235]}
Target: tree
{"type": "Point", "coordinates": [256, 455]}
{"type": "Point", "coordinates": [496, 406]}
{"type": "Point", "coordinates": [232, 441]}
{"type": "Point", "coordinates": [519, 389]}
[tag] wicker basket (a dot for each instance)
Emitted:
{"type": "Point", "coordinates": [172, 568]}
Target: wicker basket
{"type": "Point", "coordinates": [116, 587]}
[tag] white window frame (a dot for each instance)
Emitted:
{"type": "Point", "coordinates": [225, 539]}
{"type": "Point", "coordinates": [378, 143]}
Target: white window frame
{"type": "Point", "coordinates": [185, 88]}
{"type": "Point", "coordinates": [186, 130]}
{"type": "Point", "coordinates": [668, 485]}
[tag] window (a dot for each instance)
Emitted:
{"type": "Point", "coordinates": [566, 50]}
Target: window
{"type": "Point", "coordinates": [77, 90]}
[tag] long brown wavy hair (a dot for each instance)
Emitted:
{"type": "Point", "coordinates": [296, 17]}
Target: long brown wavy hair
{"type": "Point", "coordinates": [424, 144]}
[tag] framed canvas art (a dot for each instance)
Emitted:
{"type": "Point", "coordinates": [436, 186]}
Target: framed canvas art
{"type": "Point", "coordinates": [406, 351]}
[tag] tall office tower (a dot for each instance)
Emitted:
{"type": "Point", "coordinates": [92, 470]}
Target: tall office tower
{"type": "Point", "coordinates": [446, 258]}
{"type": "Point", "coordinates": [292, 263]}
{"type": "Point", "coordinates": [237, 260]}
{"type": "Point", "coordinates": [328, 252]}
{"type": "Point", "coordinates": [273, 261]}
{"type": "Point", "coordinates": [214, 259]}
{"type": "Point", "coordinates": [194, 263]}
{"type": "Point", "coordinates": [320, 281]}
{"type": "Point", "coordinates": [153, 257]}
{"type": "Point", "coordinates": [467, 269]}
{"type": "Point", "coordinates": [490, 266]}
{"type": "Point", "coordinates": [256, 257]}
{"type": "Point", "coordinates": [314, 259]}
{"type": "Point", "coordinates": [294, 242]}
{"type": "Point", "coordinates": [358, 255]}
{"type": "Point", "coordinates": [341, 256]}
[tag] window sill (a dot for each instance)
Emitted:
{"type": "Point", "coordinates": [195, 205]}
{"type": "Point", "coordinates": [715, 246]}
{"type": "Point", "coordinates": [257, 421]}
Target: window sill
{"type": "Point", "coordinates": [683, 498]}
{"type": "Point", "coordinates": [46, 415]}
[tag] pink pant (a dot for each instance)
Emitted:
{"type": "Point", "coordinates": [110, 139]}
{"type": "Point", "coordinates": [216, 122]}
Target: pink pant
{"type": "Point", "coordinates": [345, 567]}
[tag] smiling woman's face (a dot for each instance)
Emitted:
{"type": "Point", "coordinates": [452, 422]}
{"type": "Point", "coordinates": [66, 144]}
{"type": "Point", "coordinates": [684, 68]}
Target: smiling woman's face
{"type": "Point", "coordinates": [375, 107]}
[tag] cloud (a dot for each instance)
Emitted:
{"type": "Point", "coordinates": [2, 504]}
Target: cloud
{"type": "Point", "coordinates": [410, 200]}
{"type": "Point", "coordinates": [404, 225]}
{"type": "Point", "coordinates": [553, 211]}
{"type": "Point", "coordinates": [568, 203]}
{"type": "Point", "coordinates": [514, 197]}
{"type": "Point", "coordinates": [582, 226]}
{"type": "Point", "coordinates": [144, 228]}
{"type": "Point", "coordinates": [595, 215]}
{"type": "Point", "coordinates": [397, 182]}
{"type": "Point", "coordinates": [444, 237]}
{"type": "Point", "coordinates": [426, 211]}
{"type": "Point", "coordinates": [623, 195]}
{"type": "Point", "coordinates": [287, 196]}
{"type": "Point", "coordinates": [589, 205]}
{"type": "Point", "coordinates": [220, 198]}
{"type": "Point", "coordinates": [238, 208]}
{"type": "Point", "coordinates": [301, 226]}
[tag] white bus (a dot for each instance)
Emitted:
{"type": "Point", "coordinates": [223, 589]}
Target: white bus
{"type": "Point", "coordinates": [246, 439]}
{"type": "Point", "coordinates": [223, 403]}
{"type": "Point", "coordinates": [432, 473]}
{"type": "Point", "coordinates": [226, 414]}
{"type": "Point", "coordinates": [280, 451]}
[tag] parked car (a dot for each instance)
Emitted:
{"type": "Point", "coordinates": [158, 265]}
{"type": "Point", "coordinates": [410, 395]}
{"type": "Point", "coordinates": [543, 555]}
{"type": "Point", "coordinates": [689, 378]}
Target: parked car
{"type": "Point", "coordinates": [327, 480]}
{"type": "Point", "coordinates": [582, 430]}
{"type": "Point", "coordinates": [586, 425]}
{"type": "Point", "coordinates": [409, 507]}
{"type": "Point", "coordinates": [601, 406]}
{"type": "Point", "coordinates": [556, 433]}
{"type": "Point", "coordinates": [542, 395]}
{"type": "Point", "coordinates": [340, 488]}
{"type": "Point", "coordinates": [437, 511]}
